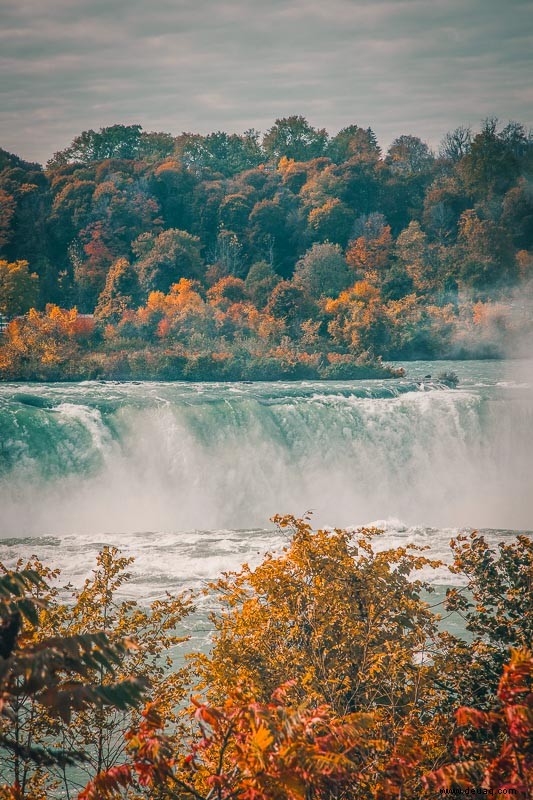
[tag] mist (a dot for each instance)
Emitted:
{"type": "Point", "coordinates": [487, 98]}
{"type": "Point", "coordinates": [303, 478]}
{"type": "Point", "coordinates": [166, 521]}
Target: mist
{"type": "Point", "coordinates": [231, 457]}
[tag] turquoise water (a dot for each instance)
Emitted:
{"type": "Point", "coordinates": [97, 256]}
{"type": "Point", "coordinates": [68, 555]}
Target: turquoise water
{"type": "Point", "coordinates": [186, 476]}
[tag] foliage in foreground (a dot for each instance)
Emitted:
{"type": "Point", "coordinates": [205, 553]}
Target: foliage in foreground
{"type": "Point", "coordinates": [329, 677]}
{"type": "Point", "coordinates": [94, 641]}
{"type": "Point", "coordinates": [270, 751]}
{"type": "Point", "coordinates": [50, 677]}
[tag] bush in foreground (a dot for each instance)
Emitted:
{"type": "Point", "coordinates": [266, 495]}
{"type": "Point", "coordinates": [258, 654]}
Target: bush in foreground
{"type": "Point", "coordinates": [329, 677]}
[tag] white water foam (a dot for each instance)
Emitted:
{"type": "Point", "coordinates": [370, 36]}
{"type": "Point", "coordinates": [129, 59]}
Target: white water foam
{"type": "Point", "coordinates": [186, 477]}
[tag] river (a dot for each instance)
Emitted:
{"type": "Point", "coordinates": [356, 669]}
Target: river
{"type": "Point", "coordinates": [184, 477]}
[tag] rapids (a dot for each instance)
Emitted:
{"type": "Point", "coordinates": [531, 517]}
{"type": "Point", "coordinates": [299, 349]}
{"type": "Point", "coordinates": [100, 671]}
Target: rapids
{"type": "Point", "coordinates": [186, 476]}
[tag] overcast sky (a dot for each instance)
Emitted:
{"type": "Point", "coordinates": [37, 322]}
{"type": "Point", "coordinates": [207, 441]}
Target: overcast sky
{"type": "Point", "coordinates": [399, 66]}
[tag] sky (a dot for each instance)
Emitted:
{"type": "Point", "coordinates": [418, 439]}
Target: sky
{"type": "Point", "coordinates": [399, 66]}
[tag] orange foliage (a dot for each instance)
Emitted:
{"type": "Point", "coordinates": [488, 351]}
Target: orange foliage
{"type": "Point", "coordinates": [45, 339]}
{"type": "Point", "coordinates": [260, 751]}
{"type": "Point", "coordinates": [226, 291]}
{"type": "Point", "coordinates": [355, 313]}
{"type": "Point", "coordinates": [370, 254]}
{"type": "Point", "coordinates": [524, 259]}
{"type": "Point", "coordinates": [501, 761]}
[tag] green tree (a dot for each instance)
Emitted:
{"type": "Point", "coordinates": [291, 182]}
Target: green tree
{"type": "Point", "coordinates": [220, 152]}
{"type": "Point", "coordinates": [322, 272]}
{"type": "Point", "coordinates": [490, 166]}
{"type": "Point", "coordinates": [165, 258]}
{"type": "Point", "coordinates": [121, 291]}
{"type": "Point", "coordinates": [7, 211]}
{"type": "Point", "coordinates": [19, 288]}
{"type": "Point", "coordinates": [295, 138]}
{"type": "Point", "coordinates": [495, 605]}
{"type": "Point", "coordinates": [116, 141]}
{"type": "Point", "coordinates": [289, 302]}
{"type": "Point", "coordinates": [485, 253]}
{"type": "Point", "coordinates": [155, 146]}
{"type": "Point", "coordinates": [173, 186]}
{"type": "Point", "coordinates": [260, 282]}
{"type": "Point", "coordinates": [234, 212]}
{"type": "Point", "coordinates": [272, 233]}
{"type": "Point", "coordinates": [409, 155]}
{"type": "Point", "coordinates": [517, 214]}
{"type": "Point", "coordinates": [354, 142]}
{"type": "Point", "coordinates": [331, 222]}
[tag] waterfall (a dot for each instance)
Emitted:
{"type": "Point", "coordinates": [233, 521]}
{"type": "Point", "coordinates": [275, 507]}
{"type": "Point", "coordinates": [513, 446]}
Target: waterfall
{"type": "Point", "coordinates": [100, 458]}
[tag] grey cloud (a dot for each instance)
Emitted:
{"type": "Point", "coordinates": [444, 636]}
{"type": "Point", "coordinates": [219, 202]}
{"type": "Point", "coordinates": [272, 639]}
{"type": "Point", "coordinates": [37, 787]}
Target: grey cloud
{"type": "Point", "coordinates": [396, 65]}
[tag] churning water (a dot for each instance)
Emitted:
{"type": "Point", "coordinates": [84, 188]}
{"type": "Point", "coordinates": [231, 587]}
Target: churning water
{"type": "Point", "coordinates": [186, 476]}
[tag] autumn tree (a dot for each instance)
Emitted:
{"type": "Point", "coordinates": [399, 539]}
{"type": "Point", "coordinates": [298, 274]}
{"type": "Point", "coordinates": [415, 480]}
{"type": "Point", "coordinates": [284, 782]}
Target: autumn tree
{"type": "Point", "coordinates": [288, 302]}
{"type": "Point", "coordinates": [250, 749]}
{"type": "Point", "coordinates": [91, 259]}
{"type": "Point", "coordinates": [45, 344]}
{"type": "Point", "coordinates": [152, 629]}
{"type": "Point", "coordinates": [415, 256]}
{"type": "Point", "coordinates": [227, 291]}
{"type": "Point", "coordinates": [329, 676]}
{"type": "Point", "coordinates": [422, 232]}
{"type": "Point", "coordinates": [347, 630]}
{"type": "Point", "coordinates": [328, 627]}
{"type": "Point", "coordinates": [359, 321]}
{"type": "Point", "coordinates": [370, 253]}
{"type": "Point", "coordinates": [295, 173]}
{"type": "Point", "coordinates": [180, 315]}
{"type": "Point", "coordinates": [493, 749]}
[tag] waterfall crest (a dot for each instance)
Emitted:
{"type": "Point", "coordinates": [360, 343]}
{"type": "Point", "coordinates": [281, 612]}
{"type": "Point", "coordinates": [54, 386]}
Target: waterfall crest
{"type": "Point", "coordinates": [106, 458]}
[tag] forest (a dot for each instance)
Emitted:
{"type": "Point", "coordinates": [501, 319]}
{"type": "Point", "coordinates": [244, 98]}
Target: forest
{"type": "Point", "coordinates": [295, 254]}
{"type": "Point", "coordinates": [333, 674]}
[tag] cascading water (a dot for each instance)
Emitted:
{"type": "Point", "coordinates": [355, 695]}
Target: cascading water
{"type": "Point", "coordinates": [186, 476]}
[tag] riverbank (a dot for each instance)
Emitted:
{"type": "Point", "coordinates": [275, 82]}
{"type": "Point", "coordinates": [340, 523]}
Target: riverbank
{"type": "Point", "coordinates": [175, 364]}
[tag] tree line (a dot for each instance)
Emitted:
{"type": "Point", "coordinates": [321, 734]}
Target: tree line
{"type": "Point", "coordinates": [294, 253]}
